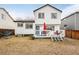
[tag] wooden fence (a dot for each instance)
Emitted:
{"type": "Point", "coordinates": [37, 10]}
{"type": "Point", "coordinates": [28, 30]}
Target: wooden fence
{"type": "Point", "coordinates": [2, 30]}
{"type": "Point", "coordinates": [72, 34]}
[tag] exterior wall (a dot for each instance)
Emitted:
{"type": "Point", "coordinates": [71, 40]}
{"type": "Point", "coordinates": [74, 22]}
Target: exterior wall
{"type": "Point", "coordinates": [57, 27]}
{"type": "Point", "coordinates": [23, 30]}
{"type": "Point", "coordinates": [77, 21]}
{"type": "Point", "coordinates": [47, 10]}
{"type": "Point", "coordinates": [6, 23]}
{"type": "Point", "coordinates": [70, 22]}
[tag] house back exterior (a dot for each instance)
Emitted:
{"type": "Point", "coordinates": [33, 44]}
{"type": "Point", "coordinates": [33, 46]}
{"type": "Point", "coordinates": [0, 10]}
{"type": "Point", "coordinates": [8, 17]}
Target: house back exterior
{"type": "Point", "coordinates": [47, 20]}
{"type": "Point", "coordinates": [51, 16]}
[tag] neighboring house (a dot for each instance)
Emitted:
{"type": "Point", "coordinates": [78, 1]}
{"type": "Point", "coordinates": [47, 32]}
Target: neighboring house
{"type": "Point", "coordinates": [71, 22]}
{"type": "Point", "coordinates": [70, 18]}
{"type": "Point", "coordinates": [6, 21]}
{"type": "Point", "coordinates": [51, 16]}
{"type": "Point", "coordinates": [24, 27]}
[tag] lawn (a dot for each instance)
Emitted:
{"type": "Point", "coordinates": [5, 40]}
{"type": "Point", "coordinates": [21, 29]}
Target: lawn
{"type": "Point", "coordinates": [27, 46]}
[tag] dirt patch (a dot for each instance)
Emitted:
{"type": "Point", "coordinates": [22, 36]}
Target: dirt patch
{"type": "Point", "coordinates": [27, 46]}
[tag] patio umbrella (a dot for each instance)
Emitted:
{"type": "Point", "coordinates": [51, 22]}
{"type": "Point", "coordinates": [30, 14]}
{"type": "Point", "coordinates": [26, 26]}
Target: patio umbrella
{"type": "Point", "coordinates": [44, 25]}
{"type": "Point", "coordinates": [44, 28]}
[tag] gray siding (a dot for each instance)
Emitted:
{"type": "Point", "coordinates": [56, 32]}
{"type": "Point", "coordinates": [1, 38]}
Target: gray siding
{"type": "Point", "coordinates": [69, 21]}
{"type": "Point", "coordinates": [77, 21]}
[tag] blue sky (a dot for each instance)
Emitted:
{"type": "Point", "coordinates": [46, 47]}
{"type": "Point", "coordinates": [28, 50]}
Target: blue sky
{"type": "Point", "coordinates": [26, 10]}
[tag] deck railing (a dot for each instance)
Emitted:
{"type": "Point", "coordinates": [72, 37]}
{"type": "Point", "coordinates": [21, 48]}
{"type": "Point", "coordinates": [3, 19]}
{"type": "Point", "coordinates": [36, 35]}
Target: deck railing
{"type": "Point", "coordinates": [48, 33]}
{"type": "Point", "coordinates": [42, 32]}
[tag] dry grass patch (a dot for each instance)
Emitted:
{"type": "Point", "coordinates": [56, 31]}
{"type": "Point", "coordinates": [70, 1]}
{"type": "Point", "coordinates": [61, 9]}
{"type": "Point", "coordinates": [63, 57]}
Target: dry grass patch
{"type": "Point", "coordinates": [25, 46]}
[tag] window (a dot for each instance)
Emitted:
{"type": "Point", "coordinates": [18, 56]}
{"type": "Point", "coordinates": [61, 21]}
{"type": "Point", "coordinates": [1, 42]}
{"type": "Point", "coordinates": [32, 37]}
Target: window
{"type": "Point", "coordinates": [54, 15]}
{"type": "Point", "coordinates": [50, 28]}
{"type": "Point", "coordinates": [37, 33]}
{"type": "Point", "coordinates": [41, 15]}
{"type": "Point", "coordinates": [20, 24]}
{"type": "Point", "coordinates": [29, 26]}
{"type": "Point", "coordinates": [2, 16]}
{"type": "Point", "coordinates": [37, 27]}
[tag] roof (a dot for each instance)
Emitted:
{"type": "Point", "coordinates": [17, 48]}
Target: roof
{"type": "Point", "coordinates": [47, 5]}
{"type": "Point", "coordinates": [7, 13]}
{"type": "Point", "coordinates": [32, 21]}
{"type": "Point", "coordinates": [69, 15]}
{"type": "Point", "coordinates": [69, 11]}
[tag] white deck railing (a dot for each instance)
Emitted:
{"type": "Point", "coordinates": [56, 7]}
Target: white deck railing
{"type": "Point", "coordinates": [48, 33]}
{"type": "Point", "coordinates": [42, 32]}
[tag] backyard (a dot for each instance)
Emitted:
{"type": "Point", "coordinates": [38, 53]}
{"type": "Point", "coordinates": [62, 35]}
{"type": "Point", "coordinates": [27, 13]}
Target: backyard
{"type": "Point", "coordinates": [26, 46]}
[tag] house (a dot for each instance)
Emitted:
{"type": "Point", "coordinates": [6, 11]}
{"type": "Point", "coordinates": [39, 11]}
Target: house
{"type": "Point", "coordinates": [48, 16]}
{"type": "Point", "coordinates": [47, 20]}
{"type": "Point", "coordinates": [70, 21]}
{"type": "Point", "coordinates": [24, 27]}
{"type": "Point", "coordinates": [70, 18]}
{"type": "Point", "coordinates": [6, 21]}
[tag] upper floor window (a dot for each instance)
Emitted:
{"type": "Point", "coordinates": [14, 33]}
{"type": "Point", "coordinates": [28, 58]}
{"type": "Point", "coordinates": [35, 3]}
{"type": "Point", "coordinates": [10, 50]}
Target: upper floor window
{"type": "Point", "coordinates": [54, 15]}
{"type": "Point", "coordinates": [2, 16]}
{"type": "Point", "coordinates": [29, 26]}
{"type": "Point", "coordinates": [41, 15]}
{"type": "Point", "coordinates": [20, 24]}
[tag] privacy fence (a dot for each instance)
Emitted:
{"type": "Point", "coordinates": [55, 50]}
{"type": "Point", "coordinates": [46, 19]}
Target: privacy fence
{"type": "Point", "coordinates": [12, 30]}
{"type": "Point", "coordinates": [72, 34]}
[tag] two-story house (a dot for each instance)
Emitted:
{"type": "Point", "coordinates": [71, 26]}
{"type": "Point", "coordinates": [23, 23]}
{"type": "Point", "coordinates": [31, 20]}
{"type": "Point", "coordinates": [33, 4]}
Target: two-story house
{"type": "Point", "coordinates": [48, 16]}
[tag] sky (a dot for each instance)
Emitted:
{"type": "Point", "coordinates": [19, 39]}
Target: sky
{"type": "Point", "coordinates": [26, 10]}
